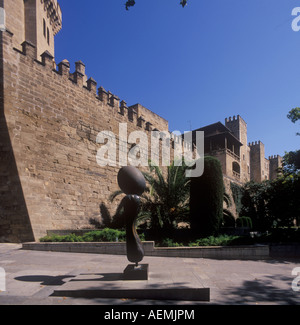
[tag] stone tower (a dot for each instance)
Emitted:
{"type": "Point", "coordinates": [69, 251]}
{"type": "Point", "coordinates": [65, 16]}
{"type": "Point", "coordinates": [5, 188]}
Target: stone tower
{"type": "Point", "coordinates": [239, 129]}
{"type": "Point", "coordinates": [257, 161]}
{"type": "Point", "coordinates": [275, 163]}
{"type": "Point", "coordinates": [34, 21]}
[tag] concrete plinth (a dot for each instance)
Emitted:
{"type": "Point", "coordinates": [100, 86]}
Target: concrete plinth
{"type": "Point", "coordinates": [133, 272]}
{"type": "Point", "coordinates": [159, 286]}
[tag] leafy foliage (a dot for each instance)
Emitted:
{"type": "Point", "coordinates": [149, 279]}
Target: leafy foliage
{"type": "Point", "coordinates": [294, 114]}
{"type": "Point", "coordinates": [222, 240]}
{"type": "Point", "coordinates": [273, 203]}
{"type": "Point", "coordinates": [237, 193]}
{"type": "Point", "coordinates": [104, 235]}
{"type": "Point", "coordinates": [291, 162]}
{"type": "Point", "coordinates": [166, 200]}
{"type": "Point", "coordinates": [129, 3]}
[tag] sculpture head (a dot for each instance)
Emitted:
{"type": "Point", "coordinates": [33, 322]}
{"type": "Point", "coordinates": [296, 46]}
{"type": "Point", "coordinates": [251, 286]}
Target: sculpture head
{"type": "Point", "coordinates": [131, 181]}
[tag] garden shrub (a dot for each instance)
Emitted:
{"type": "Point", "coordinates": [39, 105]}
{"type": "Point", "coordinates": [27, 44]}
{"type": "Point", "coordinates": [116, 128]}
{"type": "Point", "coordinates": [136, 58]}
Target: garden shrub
{"type": "Point", "coordinates": [104, 235]}
{"type": "Point", "coordinates": [206, 200]}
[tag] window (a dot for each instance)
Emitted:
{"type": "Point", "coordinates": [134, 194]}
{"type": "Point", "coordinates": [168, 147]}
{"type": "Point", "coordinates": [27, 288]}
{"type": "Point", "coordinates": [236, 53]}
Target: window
{"type": "Point", "coordinates": [48, 36]}
{"type": "Point", "coordinates": [236, 168]}
{"type": "Point", "coordinates": [44, 27]}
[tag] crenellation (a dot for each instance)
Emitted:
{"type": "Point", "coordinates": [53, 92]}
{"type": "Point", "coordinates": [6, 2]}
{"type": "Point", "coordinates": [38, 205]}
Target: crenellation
{"type": "Point", "coordinates": [256, 143]}
{"type": "Point", "coordinates": [141, 122]}
{"type": "Point", "coordinates": [103, 95]}
{"type": "Point", "coordinates": [47, 60]}
{"type": "Point", "coordinates": [114, 100]}
{"type": "Point", "coordinates": [92, 86]}
{"type": "Point", "coordinates": [78, 78]}
{"type": "Point", "coordinates": [132, 115]}
{"type": "Point", "coordinates": [29, 49]}
{"type": "Point", "coordinates": [80, 67]}
{"type": "Point", "coordinates": [64, 68]}
{"type": "Point", "coordinates": [123, 108]}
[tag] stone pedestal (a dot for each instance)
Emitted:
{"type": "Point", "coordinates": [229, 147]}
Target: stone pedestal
{"type": "Point", "coordinates": [138, 273]}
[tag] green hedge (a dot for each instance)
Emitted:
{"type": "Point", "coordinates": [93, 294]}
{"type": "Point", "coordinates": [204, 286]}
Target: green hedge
{"type": "Point", "coordinates": [105, 235]}
{"type": "Point", "coordinates": [222, 240]}
{"type": "Point", "coordinates": [206, 200]}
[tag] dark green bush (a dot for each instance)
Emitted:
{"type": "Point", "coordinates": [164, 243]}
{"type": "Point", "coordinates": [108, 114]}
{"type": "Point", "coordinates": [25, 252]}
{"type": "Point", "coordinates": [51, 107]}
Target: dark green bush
{"type": "Point", "coordinates": [272, 203]}
{"type": "Point", "coordinates": [222, 240]}
{"type": "Point", "coordinates": [72, 238]}
{"type": "Point", "coordinates": [168, 242]}
{"type": "Point", "coordinates": [206, 200]}
{"type": "Point", "coordinates": [104, 235]}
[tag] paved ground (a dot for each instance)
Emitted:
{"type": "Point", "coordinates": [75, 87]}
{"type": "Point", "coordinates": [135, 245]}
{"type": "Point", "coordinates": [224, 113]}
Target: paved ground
{"type": "Point", "coordinates": [31, 277]}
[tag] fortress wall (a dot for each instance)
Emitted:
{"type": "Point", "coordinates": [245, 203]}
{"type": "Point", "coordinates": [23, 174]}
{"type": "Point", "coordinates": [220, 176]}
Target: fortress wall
{"type": "Point", "coordinates": [52, 122]}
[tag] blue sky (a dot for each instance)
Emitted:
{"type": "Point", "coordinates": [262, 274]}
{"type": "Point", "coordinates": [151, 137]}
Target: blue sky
{"type": "Point", "coordinates": [195, 65]}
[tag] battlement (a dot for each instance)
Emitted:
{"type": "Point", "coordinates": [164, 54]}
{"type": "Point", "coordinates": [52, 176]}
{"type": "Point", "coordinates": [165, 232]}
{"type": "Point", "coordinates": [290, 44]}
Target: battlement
{"type": "Point", "coordinates": [275, 157]}
{"type": "Point", "coordinates": [231, 119]}
{"type": "Point", "coordinates": [234, 119]}
{"type": "Point", "coordinates": [256, 143]}
{"type": "Point", "coordinates": [141, 117]}
{"type": "Point", "coordinates": [137, 114]}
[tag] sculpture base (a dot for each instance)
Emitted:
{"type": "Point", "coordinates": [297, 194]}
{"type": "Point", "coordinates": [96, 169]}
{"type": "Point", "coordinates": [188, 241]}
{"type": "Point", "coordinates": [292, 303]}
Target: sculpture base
{"type": "Point", "coordinates": [133, 272]}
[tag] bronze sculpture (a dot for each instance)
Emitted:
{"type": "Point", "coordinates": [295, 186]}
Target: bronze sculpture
{"type": "Point", "coordinates": [132, 183]}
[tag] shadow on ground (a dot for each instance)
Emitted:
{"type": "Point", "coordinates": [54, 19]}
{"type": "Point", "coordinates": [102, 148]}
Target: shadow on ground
{"type": "Point", "coordinates": [45, 279]}
{"type": "Point", "coordinates": [269, 289]}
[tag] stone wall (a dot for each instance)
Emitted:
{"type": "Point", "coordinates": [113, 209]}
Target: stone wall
{"type": "Point", "coordinates": [15, 19]}
{"type": "Point", "coordinates": [52, 119]}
